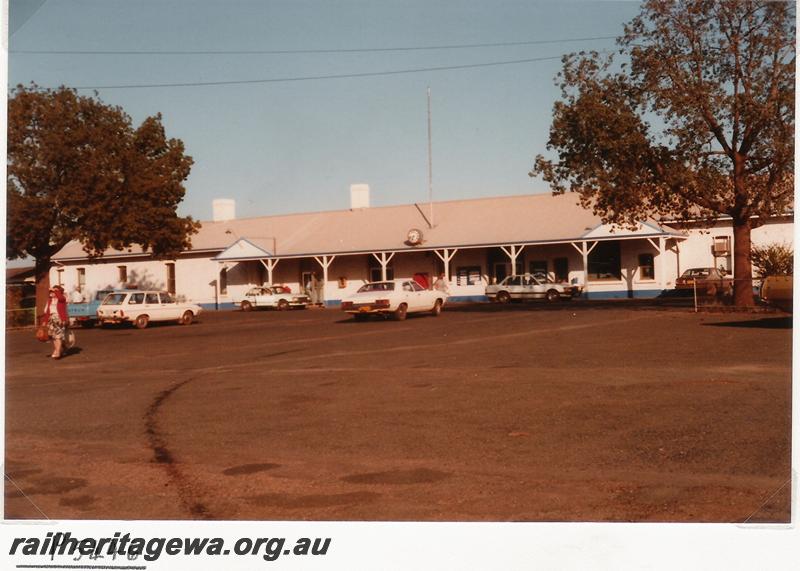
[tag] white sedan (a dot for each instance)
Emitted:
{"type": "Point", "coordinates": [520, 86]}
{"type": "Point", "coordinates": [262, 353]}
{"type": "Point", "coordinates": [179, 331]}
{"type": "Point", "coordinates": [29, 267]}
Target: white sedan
{"type": "Point", "coordinates": [278, 297]}
{"type": "Point", "coordinates": [527, 286]}
{"type": "Point", "coordinates": [395, 298]}
{"type": "Point", "coordinates": [141, 307]}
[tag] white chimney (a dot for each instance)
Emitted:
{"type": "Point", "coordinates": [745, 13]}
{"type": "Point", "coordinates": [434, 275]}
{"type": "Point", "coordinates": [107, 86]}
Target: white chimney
{"type": "Point", "coordinates": [359, 196]}
{"type": "Point", "coordinates": [224, 209]}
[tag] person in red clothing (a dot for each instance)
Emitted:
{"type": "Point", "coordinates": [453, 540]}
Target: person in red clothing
{"type": "Point", "coordinates": [57, 320]}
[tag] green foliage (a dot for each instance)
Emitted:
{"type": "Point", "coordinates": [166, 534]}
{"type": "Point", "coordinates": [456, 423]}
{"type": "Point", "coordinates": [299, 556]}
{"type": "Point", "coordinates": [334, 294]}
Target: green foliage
{"type": "Point", "coordinates": [773, 260]}
{"type": "Point", "coordinates": [78, 170]}
{"type": "Point", "coordinates": [696, 122]}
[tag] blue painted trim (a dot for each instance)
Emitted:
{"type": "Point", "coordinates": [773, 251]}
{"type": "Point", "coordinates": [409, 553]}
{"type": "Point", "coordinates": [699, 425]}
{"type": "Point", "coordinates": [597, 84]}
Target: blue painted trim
{"type": "Point", "coordinates": [623, 294]}
{"type": "Point", "coordinates": [466, 298]}
{"type": "Point", "coordinates": [224, 306]}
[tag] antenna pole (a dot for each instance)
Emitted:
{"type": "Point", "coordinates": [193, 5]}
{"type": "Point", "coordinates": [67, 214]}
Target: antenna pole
{"type": "Point", "coordinates": [430, 163]}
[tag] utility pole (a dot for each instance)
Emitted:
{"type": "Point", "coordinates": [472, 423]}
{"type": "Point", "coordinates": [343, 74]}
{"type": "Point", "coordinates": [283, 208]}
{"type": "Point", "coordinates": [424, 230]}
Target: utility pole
{"type": "Point", "coordinates": [430, 163]}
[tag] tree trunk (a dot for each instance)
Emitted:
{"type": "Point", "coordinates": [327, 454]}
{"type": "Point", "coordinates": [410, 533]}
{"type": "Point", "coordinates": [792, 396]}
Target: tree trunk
{"type": "Point", "coordinates": [42, 284]}
{"type": "Point", "coordinates": [742, 266]}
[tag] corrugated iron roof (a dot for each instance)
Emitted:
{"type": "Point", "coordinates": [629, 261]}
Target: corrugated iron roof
{"type": "Point", "coordinates": [509, 219]}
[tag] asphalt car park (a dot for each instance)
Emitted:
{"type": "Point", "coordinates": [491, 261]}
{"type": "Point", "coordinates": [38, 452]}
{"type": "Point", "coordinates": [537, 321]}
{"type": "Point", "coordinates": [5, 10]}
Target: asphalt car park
{"type": "Point", "coordinates": [528, 412]}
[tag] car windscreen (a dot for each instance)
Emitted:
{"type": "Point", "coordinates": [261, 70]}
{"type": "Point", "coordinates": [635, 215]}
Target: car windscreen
{"type": "Point", "coordinates": [114, 299]}
{"type": "Point", "coordinates": [380, 286]}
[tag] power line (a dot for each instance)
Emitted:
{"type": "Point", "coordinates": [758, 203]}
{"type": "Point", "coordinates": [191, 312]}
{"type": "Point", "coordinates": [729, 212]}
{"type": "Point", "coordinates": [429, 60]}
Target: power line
{"type": "Point", "coordinates": [305, 51]}
{"type": "Point", "coordinates": [319, 77]}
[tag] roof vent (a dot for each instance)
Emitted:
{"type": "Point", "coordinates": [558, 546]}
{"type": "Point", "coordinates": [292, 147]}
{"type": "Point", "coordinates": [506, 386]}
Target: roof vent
{"type": "Point", "coordinates": [224, 209]}
{"type": "Point", "coordinates": [359, 196]}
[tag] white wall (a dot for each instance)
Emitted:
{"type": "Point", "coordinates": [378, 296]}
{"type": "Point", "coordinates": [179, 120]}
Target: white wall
{"type": "Point", "coordinates": [195, 274]}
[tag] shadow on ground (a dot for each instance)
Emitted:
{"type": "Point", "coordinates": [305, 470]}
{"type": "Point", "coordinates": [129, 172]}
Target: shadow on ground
{"type": "Point", "coordinates": [765, 323]}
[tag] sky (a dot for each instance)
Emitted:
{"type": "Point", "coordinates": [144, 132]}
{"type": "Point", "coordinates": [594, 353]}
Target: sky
{"type": "Point", "coordinates": [293, 144]}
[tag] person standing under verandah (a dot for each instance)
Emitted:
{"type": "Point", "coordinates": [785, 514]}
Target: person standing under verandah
{"type": "Point", "coordinates": [318, 288]}
{"type": "Point", "coordinates": [441, 285]}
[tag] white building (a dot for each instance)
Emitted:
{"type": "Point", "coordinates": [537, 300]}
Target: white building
{"type": "Point", "coordinates": [473, 242]}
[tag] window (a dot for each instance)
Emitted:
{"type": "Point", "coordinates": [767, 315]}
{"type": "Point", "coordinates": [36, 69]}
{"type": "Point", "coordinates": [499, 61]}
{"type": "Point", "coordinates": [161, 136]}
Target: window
{"type": "Point", "coordinates": [375, 274]}
{"type": "Point", "coordinates": [417, 287]}
{"type": "Point", "coordinates": [538, 269]}
{"type": "Point", "coordinates": [136, 298]}
{"type": "Point", "coordinates": [468, 275]}
{"type": "Point", "coordinates": [722, 245]}
{"type": "Point", "coordinates": [380, 286]}
{"type": "Point", "coordinates": [646, 267]}
{"type": "Point", "coordinates": [81, 279]}
{"type": "Point", "coordinates": [604, 262]}
{"type": "Point", "coordinates": [60, 276]}
{"type": "Point", "coordinates": [561, 269]}
{"type": "Point", "coordinates": [123, 274]}
{"type": "Point", "coordinates": [407, 286]}
{"type": "Point", "coordinates": [171, 278]}
{"type": "Point", "coordinates": [166, 298]}
{"type": "Point", "coordinates": [223, 281]}
{"type": "Point", "coordinates": [151, 298]}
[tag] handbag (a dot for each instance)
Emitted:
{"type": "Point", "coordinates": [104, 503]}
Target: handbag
{"type": "Point", "coordinates": [42, 334]}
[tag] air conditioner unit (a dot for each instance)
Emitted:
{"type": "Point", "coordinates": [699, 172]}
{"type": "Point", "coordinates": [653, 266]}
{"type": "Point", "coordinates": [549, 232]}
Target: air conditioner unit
{"type": "Point", "coordinates": [721, 246]}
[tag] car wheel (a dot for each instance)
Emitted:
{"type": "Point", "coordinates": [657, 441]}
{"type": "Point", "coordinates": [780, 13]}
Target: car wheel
{"type": "Point", "coordinates": [401, 312]}
{"type": "Point", "coordinates": [187, 318]}
{"type": "Point", "coordinates": [283, 305]}
{"type": "Point", "coordinates": [437, 308]}
{"type": "Point", "coordinates": [141, 322]}
{"type": "Point", "coordinates": [552, 295]}
{"type": "Point", "coordinates": [247, 306]}
{"type": "Point", "coordinates": [503, 297]}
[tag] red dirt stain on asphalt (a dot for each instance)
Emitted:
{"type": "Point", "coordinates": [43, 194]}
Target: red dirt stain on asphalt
{"type": "Point", "coordinates": [55, 485]}
{"type": "Point", "coordinates": [81, 502]}
{"type": "Point", "coordinates": [418, 476]}
{"type": "Point", "coordinates": [249, 469]}
{"type": "Point", "coordinates": [312, 501]}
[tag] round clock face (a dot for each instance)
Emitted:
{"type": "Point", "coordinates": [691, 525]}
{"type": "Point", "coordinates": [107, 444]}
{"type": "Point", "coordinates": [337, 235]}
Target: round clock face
{"type": "Point", "coordinates": [414, 236]}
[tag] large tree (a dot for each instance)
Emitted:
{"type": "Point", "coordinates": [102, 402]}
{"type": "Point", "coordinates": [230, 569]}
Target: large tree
{"type": "Point", "coordinates": [79, 170]}
{"type": "Point", "coordinates": [694, 120]}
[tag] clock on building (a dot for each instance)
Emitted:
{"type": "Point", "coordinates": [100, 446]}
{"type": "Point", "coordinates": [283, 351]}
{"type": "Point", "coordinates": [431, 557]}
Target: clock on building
{"type": "Point", "coordinates": [414, 236]}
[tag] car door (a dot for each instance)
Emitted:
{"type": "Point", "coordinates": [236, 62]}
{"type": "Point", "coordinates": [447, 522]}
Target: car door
{"type": "Point", "coordinates": [536, 289]}
{"type": "Point", "coordinates": [410, 296]}
{"type": "Point", "coordinates": [169, 307]}
{"type": "Point", "coordinates": [151, 306]}
{"type": "Point", "coordinates": [423, 296]}
{"type": "Point", "coordinates": [514, 285]}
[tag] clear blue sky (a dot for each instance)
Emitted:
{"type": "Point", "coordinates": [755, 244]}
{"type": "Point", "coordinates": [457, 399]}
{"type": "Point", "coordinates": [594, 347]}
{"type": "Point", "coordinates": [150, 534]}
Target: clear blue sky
{"type": "Point", "coordinates": [296, 146]}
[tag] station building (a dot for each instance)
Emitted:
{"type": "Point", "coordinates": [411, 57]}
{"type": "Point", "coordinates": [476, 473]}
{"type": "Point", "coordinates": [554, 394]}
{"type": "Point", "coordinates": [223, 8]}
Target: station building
{"type": "Point", "coordinates": [472, 242]}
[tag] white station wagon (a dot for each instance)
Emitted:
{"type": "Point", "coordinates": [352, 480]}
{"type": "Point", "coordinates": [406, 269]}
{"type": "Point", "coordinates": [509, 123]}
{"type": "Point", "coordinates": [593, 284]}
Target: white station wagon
{"type": "Point", "coordinates": [527, 286]}
{"type": "Point", "coordinates": [141, 307]}
{"type": "Point", "coordinates": [278, 297]}
{"type": "Point", "coordinates": [395, 298]}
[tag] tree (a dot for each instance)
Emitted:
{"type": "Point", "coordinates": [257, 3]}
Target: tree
{"type": "Point", "coordinates": [78, 170]}
{"type": "Point", "coordinates": [773, 260]}
{"type": "Point", "coordinates": [697, 122]}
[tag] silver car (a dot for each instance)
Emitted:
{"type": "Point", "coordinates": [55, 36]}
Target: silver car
{"type": "Point", "coordinates": [527, 286]}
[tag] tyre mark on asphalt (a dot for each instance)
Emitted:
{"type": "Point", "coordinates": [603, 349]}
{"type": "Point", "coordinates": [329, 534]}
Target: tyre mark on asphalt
{"type": "Point", "coordinates": [187, 490]}
{"type": "Point", "coordinates": [415, 347]}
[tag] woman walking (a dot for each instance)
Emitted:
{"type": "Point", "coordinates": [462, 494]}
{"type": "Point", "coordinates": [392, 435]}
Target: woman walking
{"type": "Point", "coordinates": [57, 320]}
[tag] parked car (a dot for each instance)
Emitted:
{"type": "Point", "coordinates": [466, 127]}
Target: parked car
{"type": "Point", "coordinates": [395, 298]}
{"type": "Point", "coordinates": [709, 281]}
{"type": "Point", "coordinates": [141, 307]}
{"type": "Point", "coordinates": [527, 286]}
{"type": "Point", "coordinates": [777, 291]}
{"type": "Point", "coordinates": [278, 297]}
{"type": "Point", "coordinates": [85, 313]}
